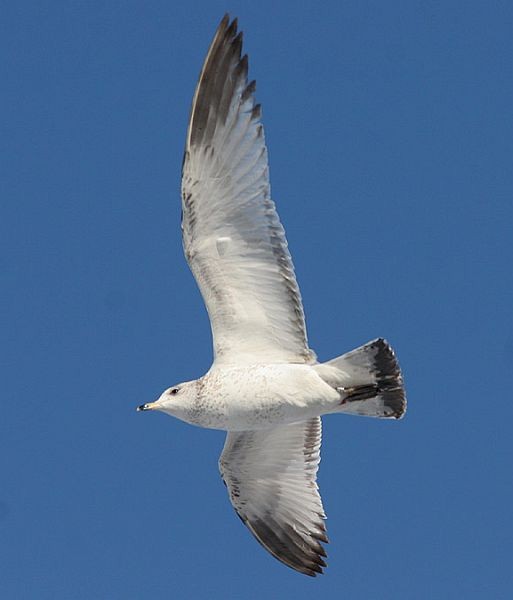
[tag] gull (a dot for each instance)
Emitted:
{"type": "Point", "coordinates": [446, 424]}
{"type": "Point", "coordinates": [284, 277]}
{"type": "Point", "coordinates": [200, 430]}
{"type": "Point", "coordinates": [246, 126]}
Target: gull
{"type": "Point", "coordinates": [265, 387]}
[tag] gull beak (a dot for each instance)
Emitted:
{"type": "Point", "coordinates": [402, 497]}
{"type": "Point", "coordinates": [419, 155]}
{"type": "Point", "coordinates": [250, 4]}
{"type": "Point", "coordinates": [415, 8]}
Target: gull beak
{"type": "Point", "coordinates": [149, 406]}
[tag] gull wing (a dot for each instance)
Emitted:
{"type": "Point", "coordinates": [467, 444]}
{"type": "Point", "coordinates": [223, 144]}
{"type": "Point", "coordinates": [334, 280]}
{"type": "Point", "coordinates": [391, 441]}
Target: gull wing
{"type": "Point", "coordinates": [271, 479]}
{"type": "Point", "coordinates": [232, 237]}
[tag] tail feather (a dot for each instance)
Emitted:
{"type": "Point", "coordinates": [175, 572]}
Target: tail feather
{"type": "Point", "coordinates": [370, 381]}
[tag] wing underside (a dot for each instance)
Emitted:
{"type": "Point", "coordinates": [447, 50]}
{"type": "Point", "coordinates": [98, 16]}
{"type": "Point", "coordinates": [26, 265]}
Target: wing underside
{"type": "Point", "coordinates": [271, 479]}
{"type": "Point", "coordinates": [232, 236]}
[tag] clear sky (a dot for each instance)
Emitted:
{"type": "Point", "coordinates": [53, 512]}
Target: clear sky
{"type": "Point", "coordinates": [390, 136]}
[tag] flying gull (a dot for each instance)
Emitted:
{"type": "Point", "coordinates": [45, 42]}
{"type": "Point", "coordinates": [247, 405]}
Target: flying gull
{"type": "Point", "coordinates": [265, 386]}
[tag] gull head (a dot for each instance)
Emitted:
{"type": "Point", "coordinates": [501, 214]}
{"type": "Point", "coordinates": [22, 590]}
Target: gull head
{"type": "Point", "coordinates": [175, 400]}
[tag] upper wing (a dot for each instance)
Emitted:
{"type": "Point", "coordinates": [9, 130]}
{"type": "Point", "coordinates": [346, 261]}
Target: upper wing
{"type": "Point", "coordinates": [271, 479]}
{"type": "Point", "coordinates": [233, 239]}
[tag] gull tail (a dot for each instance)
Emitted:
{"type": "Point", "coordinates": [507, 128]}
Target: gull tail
{"type": "Point", "coordinates": [369, 381]}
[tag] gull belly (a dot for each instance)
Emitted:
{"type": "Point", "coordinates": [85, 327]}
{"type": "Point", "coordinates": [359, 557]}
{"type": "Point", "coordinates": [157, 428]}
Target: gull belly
{"type": "Point", "coordinates": [250, 397]}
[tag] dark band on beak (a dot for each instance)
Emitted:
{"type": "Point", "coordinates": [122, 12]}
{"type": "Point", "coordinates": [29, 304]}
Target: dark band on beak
{"type": "Point", "coordinates": [143, 407]}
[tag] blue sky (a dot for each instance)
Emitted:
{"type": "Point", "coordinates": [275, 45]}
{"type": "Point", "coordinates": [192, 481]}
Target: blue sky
{"type": "Point", "coordinates": [390, 136]}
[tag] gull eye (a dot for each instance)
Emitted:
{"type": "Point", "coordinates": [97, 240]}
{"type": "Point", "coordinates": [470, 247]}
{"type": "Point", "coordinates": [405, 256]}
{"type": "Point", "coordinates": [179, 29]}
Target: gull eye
{"type": "Point", "coordinates": [174, 391]}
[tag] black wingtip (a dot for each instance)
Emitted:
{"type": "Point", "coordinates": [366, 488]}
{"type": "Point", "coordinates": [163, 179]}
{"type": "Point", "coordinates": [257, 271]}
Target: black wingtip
{"type": "Point", "coordinates": [232, 28]}
{"type": "Point", "coordinates": [223, 72]}
{"type": "Point", "coordinates": [290, 548]}
{"type": "Point", "coordinates": [224, 21]}
{"type": "Point", "coordinates": [256, 112]}
{"type": "Point", "coordinates": [249, 91]}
